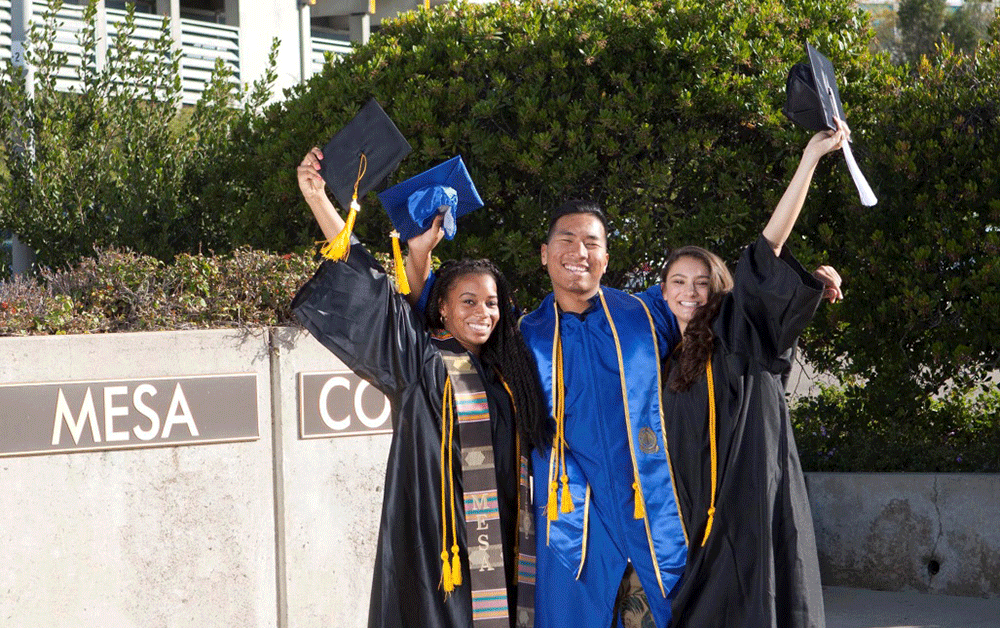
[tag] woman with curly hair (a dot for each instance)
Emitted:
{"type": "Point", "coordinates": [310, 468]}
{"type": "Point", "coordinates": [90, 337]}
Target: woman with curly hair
{"type": "Point", "coordinates": [465, 402]}
{"type": "Point", "coordinates": [741, 492]}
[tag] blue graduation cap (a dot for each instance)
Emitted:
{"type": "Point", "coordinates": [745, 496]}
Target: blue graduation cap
{"type": "Point", "coordinates": [446, 188]}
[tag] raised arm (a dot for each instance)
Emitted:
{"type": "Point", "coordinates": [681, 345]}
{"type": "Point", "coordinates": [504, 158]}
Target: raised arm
{"type": "Point", "coordinates": [418, 258]}
{"type": "Point", "coordinates": [779, 227]}
{"type": "Point", "coordinates": [313, 191]}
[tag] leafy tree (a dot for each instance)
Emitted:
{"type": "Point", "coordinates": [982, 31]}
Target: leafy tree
{"type": "Point", "coordinates": [917, 28]}
{"type": "Point", "coordinates": [969, 24]}
{"type": "Point", "coordinates": [669, 115]}
{"type": "Point", "coordinates": [920, 26]}
{"type": "Point", "coordinates": [114, 160]}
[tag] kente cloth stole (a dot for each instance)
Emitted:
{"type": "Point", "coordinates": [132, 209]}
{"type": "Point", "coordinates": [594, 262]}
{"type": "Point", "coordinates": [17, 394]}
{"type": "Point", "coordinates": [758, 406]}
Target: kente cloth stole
{"type": "Point", "coordinates": [490, 608]}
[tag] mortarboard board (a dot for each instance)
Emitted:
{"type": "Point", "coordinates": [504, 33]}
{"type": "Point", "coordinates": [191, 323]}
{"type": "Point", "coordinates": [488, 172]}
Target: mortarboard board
{"type": "Point", "coordinates": [413, 204]}
{"type": "Point", "coordinates": [812, 100]}
{"type": "Point", "coordinates": [370, 133]}
{"type": "Point", "coordinates": [357, 159]}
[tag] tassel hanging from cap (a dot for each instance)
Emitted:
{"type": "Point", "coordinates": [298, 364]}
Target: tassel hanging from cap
{"type": "Point", "coordinates": [397, 257]}
{"type": "Point", "coordinates": [338, 247]}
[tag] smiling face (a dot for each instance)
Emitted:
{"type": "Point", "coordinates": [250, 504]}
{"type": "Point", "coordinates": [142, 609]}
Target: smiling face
{"type": "Point", "coordinates": [471, 310]}
{"type": "Point", "coordinates": [576, 257]}
{"type": "Point", "coordinates": [686, 288]}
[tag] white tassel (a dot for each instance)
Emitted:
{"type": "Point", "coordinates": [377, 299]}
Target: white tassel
{"type": "Point", "coordinates": [864, 190]}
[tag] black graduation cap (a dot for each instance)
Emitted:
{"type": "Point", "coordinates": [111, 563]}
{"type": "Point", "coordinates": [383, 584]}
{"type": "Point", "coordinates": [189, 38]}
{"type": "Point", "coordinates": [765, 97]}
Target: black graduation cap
{"type": "Point", "coordinates": [813, 99]}
{"type": "Point", "coordinates": [370, 133]}
{"type": "Point", "coordinates": [446, 188]}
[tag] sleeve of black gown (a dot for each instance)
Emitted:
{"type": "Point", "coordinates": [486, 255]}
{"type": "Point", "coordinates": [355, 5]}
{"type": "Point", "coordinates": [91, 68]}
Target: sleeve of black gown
{"type": "Point", "coordinates": [772, 301]}
{"type": "Point", "coordinates": [351, 309]}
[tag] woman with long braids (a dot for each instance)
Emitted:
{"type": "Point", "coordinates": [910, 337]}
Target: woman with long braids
{"type": "Point", "coordinates": [466, 402]}
{"type": "Point", "coordinates": [751, 547]}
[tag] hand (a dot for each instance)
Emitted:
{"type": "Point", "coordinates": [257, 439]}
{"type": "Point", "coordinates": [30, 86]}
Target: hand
{"type": "Point", "coordinates": [310, 182]}
{"type": "Point", "coordinates": [828, 141]}
{"type": "Point", "coordinates": [423, 244]}
{"type": "Point", "coordinates": [831, 281]}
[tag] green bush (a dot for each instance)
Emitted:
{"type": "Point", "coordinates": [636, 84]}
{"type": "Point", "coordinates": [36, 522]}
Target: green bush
{"type": "Point", "coordinates": [840, 430]}
{"type": "Point", "coordinates": [115, 161]}
{"type": "Point", "coordinates": [667, 113]}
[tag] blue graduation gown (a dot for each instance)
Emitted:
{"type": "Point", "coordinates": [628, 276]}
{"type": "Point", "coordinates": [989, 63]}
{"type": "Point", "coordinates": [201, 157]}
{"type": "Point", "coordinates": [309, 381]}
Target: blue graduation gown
{"type": "Point", "coordinates": [583, 554]}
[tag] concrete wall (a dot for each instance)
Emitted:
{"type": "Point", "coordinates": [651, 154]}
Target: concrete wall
{"type": "Point", "coordinates": [165, 536]}
{"type": "Point", "coordinates": [330, 500]}
{"type": "Point", "coordinates": [280, 529]}
{"type": "Point", "coordinates": [932, 533]}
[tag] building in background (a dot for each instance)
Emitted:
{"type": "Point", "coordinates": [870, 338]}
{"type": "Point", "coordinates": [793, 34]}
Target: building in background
{"type": "Point", "coordinates": [237, 31]}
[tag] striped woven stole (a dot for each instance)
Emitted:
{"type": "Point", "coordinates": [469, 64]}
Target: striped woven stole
{"type": "Point", "coordinates": [490, 608]}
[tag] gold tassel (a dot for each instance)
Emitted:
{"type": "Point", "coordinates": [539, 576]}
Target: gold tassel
{"type": "Point", "coordinates": [456, 567]}
{"type": "Point", "coordinates": [708, 526]}
{"type": "Point", "coordinates": [553, 503]}
{"type": "Point", "coordinates": [567, 499]}
{"type": "Point", "coordinates": [640, 507]}
{"type": "Point", "coordinates": [397, 257]}
{"type": "Point", "coordinates": [338, 247]}
{"type": "Point", "coordinates": [446, 582]}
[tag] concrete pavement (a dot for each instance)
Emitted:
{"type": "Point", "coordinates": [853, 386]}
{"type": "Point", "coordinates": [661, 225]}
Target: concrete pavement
{"type": "Point", "coordinates": [860, 608]}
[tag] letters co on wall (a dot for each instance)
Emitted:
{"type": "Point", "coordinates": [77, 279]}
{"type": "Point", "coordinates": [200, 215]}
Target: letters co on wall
{"type": "Point", "coordinates": [58, 417]}
{"type": "Point", "coordinates": [339, 403]}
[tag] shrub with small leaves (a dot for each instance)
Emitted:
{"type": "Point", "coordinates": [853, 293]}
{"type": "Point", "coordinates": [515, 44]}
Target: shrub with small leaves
{"type": "Point", "coordinates": [839, 430]}
{"type": "Point", "coordinates": [120, 290]}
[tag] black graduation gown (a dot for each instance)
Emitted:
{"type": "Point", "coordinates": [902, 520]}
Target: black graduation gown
{"type": "Point", "coordinates": [352, 309]}
{"type": "Point", "coordinates": [758, 568]}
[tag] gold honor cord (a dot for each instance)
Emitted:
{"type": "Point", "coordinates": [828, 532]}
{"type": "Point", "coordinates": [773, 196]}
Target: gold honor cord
{"type": "Point", "coordinates": [556, 502]}
{"type": "Point", "coordinates": [714, 450]}
{"type": "Point", "coordinates": [338, 247]}
{"type": "Point", "coordinates": [451, 575]}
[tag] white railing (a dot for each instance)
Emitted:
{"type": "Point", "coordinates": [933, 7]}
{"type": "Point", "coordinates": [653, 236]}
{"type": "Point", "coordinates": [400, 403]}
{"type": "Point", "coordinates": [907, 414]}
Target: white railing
{"type": "Point", "coordinates": [5, 30]}
{"type": "Point", "coordinates": [323, 44]}
{"type": "Point", "coordinates": [202, 44]}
